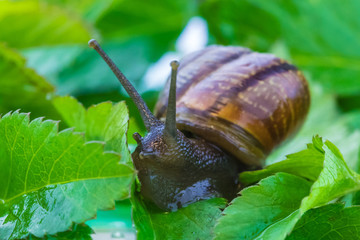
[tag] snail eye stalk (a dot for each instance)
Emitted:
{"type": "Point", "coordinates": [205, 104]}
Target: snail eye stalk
{"type": "Point", "coordinates": [170, 122]}
{"type": "Point", "coordinates": [148, 118]}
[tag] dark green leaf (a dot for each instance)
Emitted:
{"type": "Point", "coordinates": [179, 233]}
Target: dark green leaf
{"type": "Point", "coordinates": [328, 222]}
{"type": "Point", "coordinates": [258, 207]}
{"type": "Point", "coordinates": [192, 222]}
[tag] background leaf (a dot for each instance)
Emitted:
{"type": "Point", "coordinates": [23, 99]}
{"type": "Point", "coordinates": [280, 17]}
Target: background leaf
{"type": "Point", "coordinates": [21, 86]}
{"type": "Point", "coordinates": [45, 24]}
{"type": "Point", "coordinates": [240, 23]}
{"type": "Point", "coordinates": [330, 51]}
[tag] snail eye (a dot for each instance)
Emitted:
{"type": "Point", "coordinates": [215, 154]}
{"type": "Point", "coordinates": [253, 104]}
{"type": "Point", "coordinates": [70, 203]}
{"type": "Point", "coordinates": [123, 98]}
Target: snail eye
{"type": "Point", "coordinates": [138, 138]}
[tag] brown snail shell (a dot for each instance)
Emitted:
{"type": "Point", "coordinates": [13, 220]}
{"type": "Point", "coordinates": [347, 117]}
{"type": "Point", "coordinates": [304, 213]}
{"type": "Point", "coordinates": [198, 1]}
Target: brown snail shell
{"type": "Point", "coordinates": [244, 102]}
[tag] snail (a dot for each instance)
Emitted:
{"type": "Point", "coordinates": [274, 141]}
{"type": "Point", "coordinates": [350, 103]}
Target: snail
{"type": "Point", "coordinates": [229, 108]}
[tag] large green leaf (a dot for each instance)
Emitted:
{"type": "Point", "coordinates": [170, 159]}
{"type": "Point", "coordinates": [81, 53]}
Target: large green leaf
{"type": "Point", "coordinates": [261, 206]}
{"type": "Point", "coordinates": [21, 87]}
{"type": "Point", "coordinates": [192, 222]}
{"type": "Point", "coordinates": [35, 23]}
{"type": "Point", "coordinates": [51, 178]}
{"type": "Point", "coordinates": [328, 222]}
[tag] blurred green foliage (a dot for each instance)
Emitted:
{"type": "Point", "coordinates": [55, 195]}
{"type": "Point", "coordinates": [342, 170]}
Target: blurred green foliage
{"type": "Point", "coordinates": [321, 37]}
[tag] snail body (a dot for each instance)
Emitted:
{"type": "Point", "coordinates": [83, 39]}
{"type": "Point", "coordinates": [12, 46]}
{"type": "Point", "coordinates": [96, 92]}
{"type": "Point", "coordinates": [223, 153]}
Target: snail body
{"type": "Point", "coordinates": [226, 112]}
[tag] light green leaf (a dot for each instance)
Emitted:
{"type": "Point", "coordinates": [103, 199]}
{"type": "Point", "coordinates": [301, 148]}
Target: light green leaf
{"type": "Point", "coordinates": [192, 222]}
{"type": "Point", "coordinates": [34, 23]}
{"type": "Point", "coordinates": [103, 122]}
{"type": "Point", "coordinates": [258, 207]}
{"type": "Point", "coordinates": [52, 179]}
{"type": "Point", "coordinates": [332, 221]}
{"type": "Point", "coordinates": [307, 164]}
{"type": "Point", "coordinates": [335, 180]}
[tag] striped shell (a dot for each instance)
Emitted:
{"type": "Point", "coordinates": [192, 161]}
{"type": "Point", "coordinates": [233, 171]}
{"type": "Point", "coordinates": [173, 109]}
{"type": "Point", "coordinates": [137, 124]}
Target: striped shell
{"type": "Point", "coordinates": [242, 101]}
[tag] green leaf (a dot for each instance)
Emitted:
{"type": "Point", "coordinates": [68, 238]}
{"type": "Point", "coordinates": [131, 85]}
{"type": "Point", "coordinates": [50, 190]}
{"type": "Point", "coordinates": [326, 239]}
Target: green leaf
{"type": "Point", "coordinates": [21, 87]}
{"type": "Point", "coordinates": [103, 122]}
{"type": "Point", "coordinates": [192, 222]}
{"type": "Point", "coordinates": [33, 23]}
{"type": "Point", "coordinates": [307, 164]}
{"type": "Point", "coordinates": [78, 232]}
{"type": "Point", "coordinates": [335, 180]}
{"type": "Point", "coordinates": [52, 178]}
{"type": "Point", "coordinates": [280, 229]}
{"type": "Point", "coordinates": [332, 221]}
{"type": "Point", "coordinates": [258, 207]}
